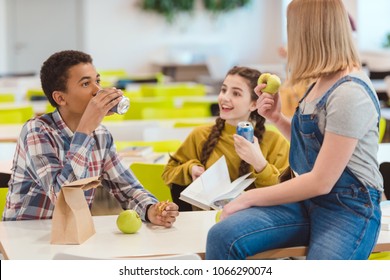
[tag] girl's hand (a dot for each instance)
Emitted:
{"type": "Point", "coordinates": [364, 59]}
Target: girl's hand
{"type": "Point", "coordinates": [250, 152]}
{"type": "Point", "coordinates": [239, 203]}
{"type": "Point", "coordinates": [196, 171]}
{"type": "Point", "coordinates": [268, 105]}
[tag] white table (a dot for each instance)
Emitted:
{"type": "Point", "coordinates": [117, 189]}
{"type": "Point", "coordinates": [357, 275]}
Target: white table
{"type": "Point", "coordinates": [379, 85]}
{"type": "Point", "coordinates": [385, 112]}
{"type": "Point", "coordinates": [31, 239]}
{"type": "Point", "coordinates": [10, 132]}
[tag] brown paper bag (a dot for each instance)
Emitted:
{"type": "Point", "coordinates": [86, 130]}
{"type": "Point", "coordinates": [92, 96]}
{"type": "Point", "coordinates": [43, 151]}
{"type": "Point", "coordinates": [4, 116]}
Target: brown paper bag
{"type": "Point", "coordinates": [72, 221]}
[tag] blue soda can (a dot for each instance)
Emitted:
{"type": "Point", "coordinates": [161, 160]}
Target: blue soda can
{"type": "Point", "coordinates": [245, 129]}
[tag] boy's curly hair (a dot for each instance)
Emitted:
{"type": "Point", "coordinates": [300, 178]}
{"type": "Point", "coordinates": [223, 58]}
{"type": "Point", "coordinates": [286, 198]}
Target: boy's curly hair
{"type": "Point", "coordinates": [55, 71]}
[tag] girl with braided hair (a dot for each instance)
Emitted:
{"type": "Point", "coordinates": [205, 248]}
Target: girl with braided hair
{"type": "Point", "coordinates": [266, 158]}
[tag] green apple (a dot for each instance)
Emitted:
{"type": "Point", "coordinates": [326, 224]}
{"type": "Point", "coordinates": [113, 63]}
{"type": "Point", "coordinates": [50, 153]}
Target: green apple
{"type": "Point", "coordinates": [273, 82]}
{"type": "Point", "coordinates": [218, 216]}
{"type": "Point", "coordinates": [128, 221]}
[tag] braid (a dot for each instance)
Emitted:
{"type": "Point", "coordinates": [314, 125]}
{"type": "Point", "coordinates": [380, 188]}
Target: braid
{"type": "Point", "coordinates": [259, 125]}
{"type": "Point", "coordinates": [212, 140]}
{"type": "Point", "coordinates": [251, 75]}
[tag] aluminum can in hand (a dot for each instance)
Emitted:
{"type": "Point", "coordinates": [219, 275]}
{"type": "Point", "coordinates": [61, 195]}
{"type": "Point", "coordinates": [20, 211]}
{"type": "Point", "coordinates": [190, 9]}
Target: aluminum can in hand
{"type": "Point", "coordinates": [245, 129]}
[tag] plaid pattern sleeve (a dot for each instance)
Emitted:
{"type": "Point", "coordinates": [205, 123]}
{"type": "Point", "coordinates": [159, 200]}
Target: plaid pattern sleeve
{"type": "Point", "coordinates": [49, 155]}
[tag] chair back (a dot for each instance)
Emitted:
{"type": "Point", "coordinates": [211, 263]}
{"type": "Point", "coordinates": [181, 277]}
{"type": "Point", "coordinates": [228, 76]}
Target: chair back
{"type": "Point", "coordinates": [205, 105]}
{"type": "Point", "coordinates": [177, 113]}
{"type": "Point", "coordinates": [7, 97]}
{"type": "Point", "coordinates": [3, 198]}
{"type": "Point", "coordinates": [149, 174]}
{"type": "Point", "coordinates": [138, 105]}
{"type": "Point", "coordinates": [16, 114]}
{"type": "Point", "coordinates": [35, 94]}
{"type": "Point", "coordinates": [191, 124]}
{"type": "Point", "coordinates": [173, 90]}
{"type": "Point", "coordinates": [109, 77]}
{"type": "Point", "coordinates": [382, 129]}
{"type": "Point", "coordinates": [160, 146]}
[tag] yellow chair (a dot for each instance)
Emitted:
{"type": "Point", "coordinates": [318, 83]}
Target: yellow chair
{"type": "Point", "coordinates": [163, 146]}
{"type": "Point", "coordinates": [16, 114]}
{"type": "Point", "coordinates": [149, 174]}
{"type": "Point", "coordinates": [7, 97]}
{"type": "Point", "coordinates": [172, 90]}
{"type": "Point", "coordinates": [3, 198]}
{"type": "Point", "coordinates": [131, 94]}
{"type": "Point", "coordinates": [191, 124]}
{"type": "Point", "coordinates": [49, 108]}
{"type": "Point", "coordinates": [109, 77]}
{"type": "Point", "coordinates": [382, 129]}
{"type": "Point", "coordinates": [114, 118]}
{"type": "Point", "coordinates": [380, 256]}
{"type": "Point", "coordinates": [35, 94]}
{"type": "Point", "coordinates": [176, 113]}
{"type": "Point", "coordinates": [138, 105]}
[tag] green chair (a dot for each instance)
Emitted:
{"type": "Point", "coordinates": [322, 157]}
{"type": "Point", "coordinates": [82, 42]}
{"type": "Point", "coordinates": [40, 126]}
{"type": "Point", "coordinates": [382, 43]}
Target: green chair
{"type": "Point", "coordinates": [114, 118]}
{"type": "Point", "coordinates": [379, 256]}
{"type": "Point", "coordinates": [138, 105]}
{"type": "Point", "coordinates": [191, 124]}
{"type": "Point", "coordinates": [3, 198]}
{"type": "Point", "coordinates": [382, 129]}
{"type": "Point", "coordinates": [176, 113]}
{"type": "Point", "coordinates": [149, 174]}
{"type": "Point", "coordinates": [109, 77]}
{"type": "Point", "coordinates": [49, 108]}
{"type": "Point", "coordinates": [206, 104]}
{"type": "Point", "coordinates": [35, 94]}
{"type": "Point", "coordinates": [16, 114]}
{"type": "Point", "coordinates": [132, 94]}
{"type": "Point", "coordinates": [172, 90]}
{"type": "Point", "coordinates": [7, 97]}
{"type": "Point", "coordinates": [163, 146]}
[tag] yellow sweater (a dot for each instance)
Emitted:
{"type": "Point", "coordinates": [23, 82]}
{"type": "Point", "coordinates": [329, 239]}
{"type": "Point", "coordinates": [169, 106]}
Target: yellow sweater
{"type": "Point", "coordinates": [274, 146]}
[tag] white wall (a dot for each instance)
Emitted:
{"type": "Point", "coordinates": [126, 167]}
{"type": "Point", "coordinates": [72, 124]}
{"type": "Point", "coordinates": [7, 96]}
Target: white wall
{"type": "Point", "coordinates": [119, 34]}
{"type": "Point", "coordinates": [373, 23]}
{"type": "Point", "coordinates": [2, 37]}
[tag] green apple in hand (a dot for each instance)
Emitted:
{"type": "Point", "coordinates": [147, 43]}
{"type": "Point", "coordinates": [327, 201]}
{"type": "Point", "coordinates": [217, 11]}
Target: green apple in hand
{"type": "Point", "coordinates": [273, 82]}
{"type": "Point", "coordinates": [128, 221]}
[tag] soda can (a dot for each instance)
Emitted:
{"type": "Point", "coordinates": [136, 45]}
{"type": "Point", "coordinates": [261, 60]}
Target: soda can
{"type": "Point", "coordinates": [122, 107]}
{"type": "Point", "coordinates": [245, 129]}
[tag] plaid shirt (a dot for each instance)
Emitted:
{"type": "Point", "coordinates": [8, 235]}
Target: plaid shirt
{"type": "Point", "coordinates": [49, 155]}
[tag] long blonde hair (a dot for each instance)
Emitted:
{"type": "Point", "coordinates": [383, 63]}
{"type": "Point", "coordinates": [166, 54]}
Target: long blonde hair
{"type": "Point", "coordinates": [320, 39]}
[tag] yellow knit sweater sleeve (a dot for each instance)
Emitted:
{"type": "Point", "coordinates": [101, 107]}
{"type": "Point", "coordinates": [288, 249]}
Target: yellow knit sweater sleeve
{"type": "Point", "coordinates": [178, 170]}
{"type": "Point", "coordinates": [275, 149]}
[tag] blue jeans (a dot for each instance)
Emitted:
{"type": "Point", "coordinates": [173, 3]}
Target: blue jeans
{"type": "Point", "coordinates": [351, 234]}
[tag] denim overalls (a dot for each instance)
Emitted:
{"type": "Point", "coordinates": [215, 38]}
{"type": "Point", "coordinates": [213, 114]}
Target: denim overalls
{"type": "Point", "coordinates": [343, 224]}
{"type": "Point", "coordinates": [350, 213]}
